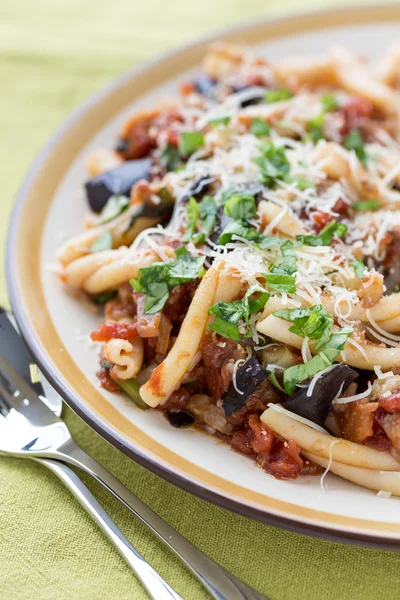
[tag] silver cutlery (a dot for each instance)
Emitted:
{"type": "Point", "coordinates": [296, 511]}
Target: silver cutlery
{"type": "Point", "coordinates": [157, 588]}
{"type": "Point", "coordinates": [29, 428]}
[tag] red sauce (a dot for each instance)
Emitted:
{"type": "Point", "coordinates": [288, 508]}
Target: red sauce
{"type": "Point", "coordinates": [106, 382]}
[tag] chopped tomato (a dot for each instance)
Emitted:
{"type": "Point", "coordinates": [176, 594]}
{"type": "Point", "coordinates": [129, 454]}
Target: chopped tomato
{"type": "Point", "coordinates": [263, 436]}
{"type": "Point", "coordinates": [112, 330]}
{"type": "Point", "coordinates": [391, 403]}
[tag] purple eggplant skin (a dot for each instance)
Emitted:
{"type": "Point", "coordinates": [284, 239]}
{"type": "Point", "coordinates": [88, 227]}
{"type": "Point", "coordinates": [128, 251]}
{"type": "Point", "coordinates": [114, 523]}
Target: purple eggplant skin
{"type": "Point", "coordinates": [180, 418]}
{"type": "Point", "coordinates": [248, 378]}
{"type": "Point", "coordinates": [317, 406]}
{"type": "Point", "coordinates": [118, 181]}
{"type": "Point", "coordinates": [198, 188]}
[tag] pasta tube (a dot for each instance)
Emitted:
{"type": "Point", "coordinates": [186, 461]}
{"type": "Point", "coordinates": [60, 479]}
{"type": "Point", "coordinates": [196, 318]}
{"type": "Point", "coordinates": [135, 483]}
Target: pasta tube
{"type": "Point", "coordinates": [321, 444]}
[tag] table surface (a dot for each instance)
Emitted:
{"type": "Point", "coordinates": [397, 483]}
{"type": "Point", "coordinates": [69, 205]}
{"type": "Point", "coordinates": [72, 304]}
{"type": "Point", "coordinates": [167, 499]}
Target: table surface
{"type": "Point", "coordinates": [53, 54]}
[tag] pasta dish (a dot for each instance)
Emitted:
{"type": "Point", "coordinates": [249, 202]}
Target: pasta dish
{"type": "Point", "coordinates": [243, 245]}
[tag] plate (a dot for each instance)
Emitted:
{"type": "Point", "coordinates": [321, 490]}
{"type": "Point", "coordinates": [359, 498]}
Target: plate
{"type": "Point", "coordinates": [50, 208]}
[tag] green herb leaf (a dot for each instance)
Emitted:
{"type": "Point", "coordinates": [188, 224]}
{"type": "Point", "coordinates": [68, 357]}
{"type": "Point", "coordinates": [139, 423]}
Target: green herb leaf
{"type": "Point", "coordinates": [325, 236]}
{"type": "Point", "coordinates": [314, 323]}
{"type": "Point", "coordinates": [329, 102]}
{"type": "Point", "coordinates": [157, 279]}
{"type": "Point", "coordinates": [275, 382]}
{"type": "Point", "coordinates": [273, 163]}
{"type": "Point", "coordinates": [241, 230]}
{"type": "Point", "coordinates": [259, 127]}
{"type": "Point", "coordinates": [104, 297]}
{"type": "Point", "coordinates": [114, 207]}
{"type": "Point", "coordinates": [103, 242]}
{"type": "Point", "coordinates": [241, 207]}
{"type": "Point", "coordinates": [281, 283]}
{"type": "Point", "coordinates": [298, 373]}
{"type": "Point", "coordinates": [354, 141]}
{"type": "Point", "coordinates": [277, 95]}
{"type": "Point", "coordinates": [190, 141]}
{"type": "Point", "coordinates": [192, 214]}
{"type": "Point", "coordinates": [315, 128]}
{"type": "Point", "coordinates": [366, 205]}
{"type": "Point", "coordinates": [302, 184]}
{"type": "Point", "coordinates": [208, 216]}
{"type": "Point", "coordinates": [219, 121]}
{"type": "Point", "coordinates": [228, 314]}
{"type": "Point", "coordinates": [359, 267]}
{"type": "Point", "coordinates": [169, 157]}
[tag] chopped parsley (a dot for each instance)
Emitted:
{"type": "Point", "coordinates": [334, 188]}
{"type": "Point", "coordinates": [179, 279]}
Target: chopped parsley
{"type": "Point", "coordinates": [241, 207]}
{"type": "Point", "coordinates": [219, 121]}
{"type": "Point", "coordinates": [325, 236]}
{"type": "Point", "coordinates": [208, 216]}
{"type": "Point", "coordinates": [315, 128]}
{"type": "Point", "coordinates": [228, 314]}
{"type": "Point", "coordinates": [190, 141]}
{"type": "Point", "coordinates": [273, 163]}
{"type": "Point", "coordinates": [114, 207]}
{"type": "Point", "coordinates": [365, 205]}
{"type": "Point", "coordinates": [277, 95]}
{"type": "Point", "coordinates": [329, 102]}
{"type": "Point", "coordinates": [326, 357]}
{"type": "Point", "coordinates": [259, 127]}
{"type": "Point", "coordinates": [102, 243]}
{"type": "Point", "coordinates": [158, 279]}
{"type": "Point", "coordinates": [281, 283]}
{"type": "Point", "coordinates": [358, 267]}
{"type": "Point", "coordinates": [354, 141]}
{"type": "Point", "coordinates": [192, 214]}
{"type": "Point", "coordinates": [316, 324]}
{"type": "Point", "coordinates": [239, 229]}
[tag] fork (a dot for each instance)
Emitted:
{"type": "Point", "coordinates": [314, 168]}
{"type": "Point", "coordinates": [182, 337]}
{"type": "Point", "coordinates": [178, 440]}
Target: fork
{"type": "Point", "coordinates": [28, 428]}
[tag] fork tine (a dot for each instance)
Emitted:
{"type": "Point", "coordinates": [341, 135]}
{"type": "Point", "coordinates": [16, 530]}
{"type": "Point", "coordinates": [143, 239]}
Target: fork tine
{"type": "Point", "coordinates": [24, 399]}
{"type": "Point", "coordinates": [16, 383]}
{"type": "Point", "coordinates": [6, 398]}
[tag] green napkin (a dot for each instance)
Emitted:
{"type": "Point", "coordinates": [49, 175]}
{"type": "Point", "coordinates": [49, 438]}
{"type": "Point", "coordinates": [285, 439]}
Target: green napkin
{"type": "Point", "coordinates": [53, 54]}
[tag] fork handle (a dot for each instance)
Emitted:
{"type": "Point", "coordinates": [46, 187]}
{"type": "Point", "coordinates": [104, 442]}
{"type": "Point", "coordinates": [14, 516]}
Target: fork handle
{"type": "Point", "coordinates": [152, 581]}
{"type": "Point", "coordinates": [220, 584]}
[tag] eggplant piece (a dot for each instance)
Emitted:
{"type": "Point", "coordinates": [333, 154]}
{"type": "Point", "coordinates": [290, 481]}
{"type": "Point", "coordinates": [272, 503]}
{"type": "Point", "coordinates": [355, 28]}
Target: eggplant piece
{"type": "Point", "coordinates": [118, 181]}
{"type": "Point", "coordinates": [205, 85]}
{"type": "Point", "coordinates": [148, 209]}
{"type": "Point", "coordinates": [256, 99]}
{"type": "Point", "coordinates": [248, 377]}
{"type": "Point", "coordinates": [180, 418]}
{"type": "Point", "coordinates": [198, 188]}
{"type": "Point", "coordinates": [121, 145]}
{"type": "Point", "coordinates": [317, 406]}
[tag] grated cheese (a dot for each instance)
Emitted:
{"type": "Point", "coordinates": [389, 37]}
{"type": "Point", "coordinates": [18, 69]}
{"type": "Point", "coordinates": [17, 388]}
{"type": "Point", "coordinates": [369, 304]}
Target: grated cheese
{"type": "Point", "coordinates": [355, 397]}
{"type": "Point", "coordinates": [288, 413]}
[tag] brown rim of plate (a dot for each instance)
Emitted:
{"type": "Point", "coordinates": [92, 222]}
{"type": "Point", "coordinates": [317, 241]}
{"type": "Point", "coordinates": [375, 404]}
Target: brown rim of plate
{"type": "Point", "coordinates": [28, 300]}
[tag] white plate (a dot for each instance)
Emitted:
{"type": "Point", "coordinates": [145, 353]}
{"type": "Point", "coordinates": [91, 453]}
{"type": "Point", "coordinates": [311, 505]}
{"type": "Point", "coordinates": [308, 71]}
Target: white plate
{"type": "Point", "coordinates": [50, 209]}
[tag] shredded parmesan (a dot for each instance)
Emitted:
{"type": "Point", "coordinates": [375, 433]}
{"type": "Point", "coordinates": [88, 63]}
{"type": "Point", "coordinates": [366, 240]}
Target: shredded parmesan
{"type": "Point", "coordinates": [380, 375]}
{"type": "Point", "coordinates": [360, 396]}
{"type": "Point", "coordinates": [315, 379]}
{"type": "Point", "coordinates": [237, 364]}
{"type": "Point", "coordinates": [288, 413]}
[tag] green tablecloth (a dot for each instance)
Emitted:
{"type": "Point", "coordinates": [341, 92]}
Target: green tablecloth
{"type": "Point", "coordinates": [53, 54]}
